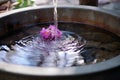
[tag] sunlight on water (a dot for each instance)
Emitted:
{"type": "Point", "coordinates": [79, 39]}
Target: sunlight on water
{"type": "Point", "coordinates": [34, 51]}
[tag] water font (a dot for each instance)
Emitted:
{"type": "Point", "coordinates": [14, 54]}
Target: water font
{"type": "Point", "coordinates": [43, 44]}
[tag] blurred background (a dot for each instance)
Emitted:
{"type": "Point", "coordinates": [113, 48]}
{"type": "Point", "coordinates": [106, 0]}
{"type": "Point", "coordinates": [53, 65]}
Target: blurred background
{"type": "Point", "coordinates": [6, 5]}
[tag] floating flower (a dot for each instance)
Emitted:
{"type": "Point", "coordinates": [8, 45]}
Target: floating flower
{"type": "Point", "coordinates": [51, 33]}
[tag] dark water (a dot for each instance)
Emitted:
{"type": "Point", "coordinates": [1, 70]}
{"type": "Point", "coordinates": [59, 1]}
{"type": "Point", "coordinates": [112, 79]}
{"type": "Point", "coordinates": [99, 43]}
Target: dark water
{"type": "Point", "coordinates": [100, 45]}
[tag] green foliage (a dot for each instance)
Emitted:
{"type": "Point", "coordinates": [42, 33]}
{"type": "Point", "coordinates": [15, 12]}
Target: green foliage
{"type": "Point", "coordinates": [23, 3]}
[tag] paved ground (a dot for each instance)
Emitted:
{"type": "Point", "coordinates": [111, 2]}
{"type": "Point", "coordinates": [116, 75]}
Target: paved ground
{"type": "Point", "coordinates": [106, 4]}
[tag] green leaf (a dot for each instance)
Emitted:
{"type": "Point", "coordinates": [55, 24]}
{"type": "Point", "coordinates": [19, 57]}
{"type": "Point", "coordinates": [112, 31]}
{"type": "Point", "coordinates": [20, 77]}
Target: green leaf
{"type": "Point", "coordinates": [24, 3]}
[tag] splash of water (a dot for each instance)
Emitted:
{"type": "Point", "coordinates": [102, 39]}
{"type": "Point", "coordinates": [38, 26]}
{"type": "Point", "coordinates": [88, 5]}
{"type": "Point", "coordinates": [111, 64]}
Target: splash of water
{"type": "Point", "coordinates": [34, 51]}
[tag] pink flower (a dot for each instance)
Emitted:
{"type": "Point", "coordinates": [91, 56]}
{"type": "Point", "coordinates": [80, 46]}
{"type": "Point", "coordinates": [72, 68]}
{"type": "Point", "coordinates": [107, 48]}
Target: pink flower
{"type": "Point", "coordinates": [51, 33]}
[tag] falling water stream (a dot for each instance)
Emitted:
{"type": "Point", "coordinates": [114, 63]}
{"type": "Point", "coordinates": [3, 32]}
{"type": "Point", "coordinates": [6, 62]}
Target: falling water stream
{"type": "Point", "coordinates": [55, 13]}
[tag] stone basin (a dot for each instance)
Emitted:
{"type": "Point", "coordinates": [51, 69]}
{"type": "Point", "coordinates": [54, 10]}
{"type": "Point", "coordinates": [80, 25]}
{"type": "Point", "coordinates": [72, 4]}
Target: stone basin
{"type": "Point", "coordinates": [15, 20]}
